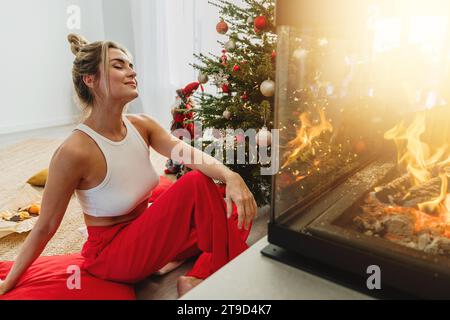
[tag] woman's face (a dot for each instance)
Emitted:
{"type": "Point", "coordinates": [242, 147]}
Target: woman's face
{"type": "Point", "coordinates": [122, 78]}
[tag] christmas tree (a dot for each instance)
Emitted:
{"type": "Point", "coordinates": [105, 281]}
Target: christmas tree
{"type": "Point", "coordinates": [244, 75]}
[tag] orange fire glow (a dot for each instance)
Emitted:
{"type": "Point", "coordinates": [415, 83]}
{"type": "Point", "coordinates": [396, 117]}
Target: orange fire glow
{"type": "Point", "coordinates": [307, 133]}
{"type": "Point", "coordinates": [423, 163]}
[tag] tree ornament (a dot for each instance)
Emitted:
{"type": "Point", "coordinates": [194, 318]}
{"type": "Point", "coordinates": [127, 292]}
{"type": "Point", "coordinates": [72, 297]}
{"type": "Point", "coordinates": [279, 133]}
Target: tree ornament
{"type": "Point", "coordinates": [230, 45]}
{"type": "Point", "coordinates": [236, 68]}
{"type": "Point", "coordinates": [264, 137]}
{"type": "Point", "coordinates": [268, 88]}
{"type": "Point", "coordinates": [227, 114]}
{"type": "Point", "coordinates": [203, 78]}
{"type": "Point", "coordinates": [224, 57]}
{"type": "Point", "coordinates": [250, 20]}
{"type": "Point", "coordinates": [219, 79]}
{"type": "Point", "coordinates": [244, 96]}
{"type": "Point", "coordinates": [274, 55]}
{"type": "Point", "coordinates": [225, 88]}
{"type": "Point", "coordinates": [260, 23]}
{"type": "Point", "coordinates": [222, 27]}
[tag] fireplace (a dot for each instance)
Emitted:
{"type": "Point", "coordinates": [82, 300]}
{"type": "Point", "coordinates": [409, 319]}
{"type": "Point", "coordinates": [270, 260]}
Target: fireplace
{"type": "Point", "coordinates": [364, 143]}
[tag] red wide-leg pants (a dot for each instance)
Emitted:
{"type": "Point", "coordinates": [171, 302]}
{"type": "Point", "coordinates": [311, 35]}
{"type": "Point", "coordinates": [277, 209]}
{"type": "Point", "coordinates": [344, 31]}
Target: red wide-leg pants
{"type": "Point", "coordinates": [186, 220]}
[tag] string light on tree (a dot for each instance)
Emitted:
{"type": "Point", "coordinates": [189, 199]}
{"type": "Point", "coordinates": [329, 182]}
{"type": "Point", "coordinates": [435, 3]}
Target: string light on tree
{"type": "Point", "coordinates": [249, 45]}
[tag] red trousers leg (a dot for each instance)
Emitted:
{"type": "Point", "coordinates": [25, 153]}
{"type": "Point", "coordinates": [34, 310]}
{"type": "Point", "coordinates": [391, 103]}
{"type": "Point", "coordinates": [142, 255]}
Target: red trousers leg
{"type": "Point", "coordinates": [188, 217]}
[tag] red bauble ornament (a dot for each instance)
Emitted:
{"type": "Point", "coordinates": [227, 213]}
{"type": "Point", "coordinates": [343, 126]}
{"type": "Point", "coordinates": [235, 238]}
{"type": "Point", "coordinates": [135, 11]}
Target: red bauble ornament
{"type": "Point", "coordinates": [222, 27]}
{"type": "Point", "coordinates": [274, 55]}
{"type": "Point", "coordinates": [225, 88]}
{"type": "Point", "coordinates": [244, 96]}
{"type": "Point", "coordinates": [236, 68]}
{"type": "Point", "coordinates": [260, 23]}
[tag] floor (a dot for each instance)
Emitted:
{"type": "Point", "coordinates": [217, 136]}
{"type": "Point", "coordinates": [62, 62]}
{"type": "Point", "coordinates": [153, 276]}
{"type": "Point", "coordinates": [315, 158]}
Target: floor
{"type": "Point", "coordinates": [262, 278]}
{"type": "Point", "coordinates": [155, 287]}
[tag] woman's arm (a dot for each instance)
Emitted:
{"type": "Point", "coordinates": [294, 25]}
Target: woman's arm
{"type": "Point", "coordinates": [64, 175]}
{"type": "Point", "coordinates": [174, 148]}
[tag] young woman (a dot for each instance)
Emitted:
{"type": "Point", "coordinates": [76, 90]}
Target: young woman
{"type": "Point", "coordinates": [105, 161]}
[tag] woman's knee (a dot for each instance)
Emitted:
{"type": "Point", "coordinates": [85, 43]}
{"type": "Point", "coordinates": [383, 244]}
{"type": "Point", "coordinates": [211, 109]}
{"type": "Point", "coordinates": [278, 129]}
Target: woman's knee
{"type": "Point", "coordinates": [196, 176]}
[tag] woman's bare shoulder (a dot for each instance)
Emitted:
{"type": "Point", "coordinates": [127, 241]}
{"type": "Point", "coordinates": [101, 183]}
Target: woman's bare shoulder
{"type": "Point", "coordinates": [142, 120]}
{"type": "Point", "coordinates": [75, 149]}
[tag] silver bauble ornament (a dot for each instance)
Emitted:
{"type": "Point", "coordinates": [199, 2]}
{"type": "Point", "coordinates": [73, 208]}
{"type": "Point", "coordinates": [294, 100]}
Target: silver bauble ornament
{"type": "Point", "coordinates": [264, 137]}
{"type": "Point", "coordinates": [230, 46]}
{"type": "Point", "coordinates": [268, 88]}
{"type": "Point", "coordinates": [227, 114]}
{"type": "Point", "coordinates": [203, 78]}
{"type": "Point", "coordinates": [250, 20]}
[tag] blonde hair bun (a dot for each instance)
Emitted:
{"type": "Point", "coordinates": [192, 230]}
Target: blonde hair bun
{"type": "Point", "coordinates": [76, 42]}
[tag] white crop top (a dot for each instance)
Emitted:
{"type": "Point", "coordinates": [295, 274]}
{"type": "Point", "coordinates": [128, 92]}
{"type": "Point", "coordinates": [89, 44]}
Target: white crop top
{"type": "Point", "coordinates": [130, 175]}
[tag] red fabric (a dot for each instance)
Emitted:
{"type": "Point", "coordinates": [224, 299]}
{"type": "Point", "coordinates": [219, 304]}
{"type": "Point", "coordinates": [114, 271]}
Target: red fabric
{"type": "Point", "coordinates": [187, 219]}
{"type": "Point", "coordinates": [48, 278]}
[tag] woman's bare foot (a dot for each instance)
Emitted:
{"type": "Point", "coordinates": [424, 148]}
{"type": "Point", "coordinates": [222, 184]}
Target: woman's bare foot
{"type": "Point", "coordinates": [185, 284]}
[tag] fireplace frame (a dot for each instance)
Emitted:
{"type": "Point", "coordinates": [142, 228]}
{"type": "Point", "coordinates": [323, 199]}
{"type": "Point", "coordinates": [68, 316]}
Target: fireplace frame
{"type": "Point", "coordinates": [316, 243]}
{"type": "Point", "coordinates": [344, 255]}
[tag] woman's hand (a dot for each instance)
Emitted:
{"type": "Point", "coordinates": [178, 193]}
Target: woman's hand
{"type": "Point", "coordinates": [3, 287]}
{"type": "Point", "coordinates": [238, 192]}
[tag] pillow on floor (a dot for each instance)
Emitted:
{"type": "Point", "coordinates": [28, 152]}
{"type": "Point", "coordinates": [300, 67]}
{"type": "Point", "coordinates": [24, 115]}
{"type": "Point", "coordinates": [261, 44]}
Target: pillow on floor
{"type": "Point", "coordinates": [48, 279]}
{"type": "Point", "coordinates": [39, 179]}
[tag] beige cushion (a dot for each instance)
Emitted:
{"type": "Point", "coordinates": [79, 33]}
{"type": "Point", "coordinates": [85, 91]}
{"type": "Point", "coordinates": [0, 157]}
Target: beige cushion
{"type": "Point", "coordinates": [39, 179]}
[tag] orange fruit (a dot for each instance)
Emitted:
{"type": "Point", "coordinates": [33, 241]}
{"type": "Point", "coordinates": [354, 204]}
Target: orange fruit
{"type": "Point", "coordinates": [34, 209]}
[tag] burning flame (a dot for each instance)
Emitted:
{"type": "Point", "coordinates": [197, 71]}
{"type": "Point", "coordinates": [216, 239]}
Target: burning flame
{"type": "Point", "coordinates": [433, 205]}
{"type": "Point", "coordinates": [421, 163]}
{"type": "Point", "coordinates": [307, 133]}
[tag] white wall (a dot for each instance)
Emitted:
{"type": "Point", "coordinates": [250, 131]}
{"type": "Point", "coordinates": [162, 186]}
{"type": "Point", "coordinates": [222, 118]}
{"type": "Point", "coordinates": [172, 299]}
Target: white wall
{"type": "Point", "coordinates": [35, 86]}
{"type": "Point", "coordinates": [118, 26]}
